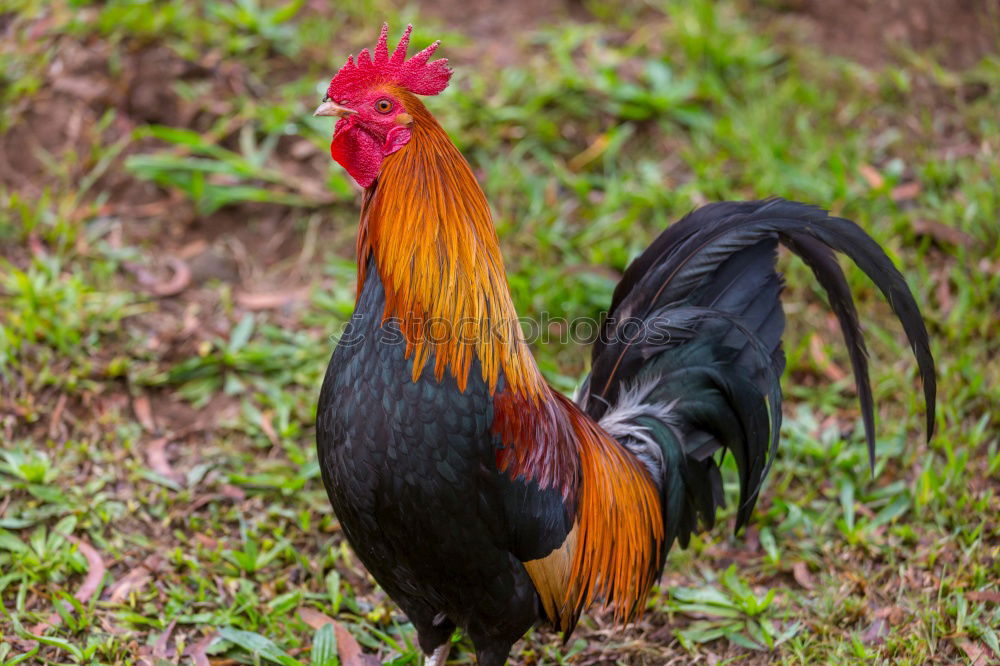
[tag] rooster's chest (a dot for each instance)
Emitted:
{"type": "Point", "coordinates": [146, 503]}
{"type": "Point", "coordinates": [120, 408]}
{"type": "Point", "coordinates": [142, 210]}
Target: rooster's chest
{"type": "Point", "coordinates": [399, 457]}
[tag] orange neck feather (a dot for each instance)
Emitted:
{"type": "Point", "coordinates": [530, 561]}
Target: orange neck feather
{"type": "Point", "coordinates": [428, 226]}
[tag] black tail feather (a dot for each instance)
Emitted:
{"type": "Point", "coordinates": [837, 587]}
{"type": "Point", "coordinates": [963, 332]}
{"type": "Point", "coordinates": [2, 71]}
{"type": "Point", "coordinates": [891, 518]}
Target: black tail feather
{"type": "Point", "coordinates": [823, 263]}
{"type": "Point", "coordinates": [709, 299]}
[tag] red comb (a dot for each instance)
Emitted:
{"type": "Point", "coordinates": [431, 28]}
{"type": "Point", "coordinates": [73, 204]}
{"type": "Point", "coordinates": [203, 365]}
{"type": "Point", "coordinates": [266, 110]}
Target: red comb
{"type": "Point", "coordinates": [416, 74]}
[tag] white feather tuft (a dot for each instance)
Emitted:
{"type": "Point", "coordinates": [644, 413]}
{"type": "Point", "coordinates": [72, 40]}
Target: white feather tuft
{"type": "Point", "coordinates": [621, 422]}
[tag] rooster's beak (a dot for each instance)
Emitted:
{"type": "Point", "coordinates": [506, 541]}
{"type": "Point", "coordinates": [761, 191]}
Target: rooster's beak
{"type": "Point", "coordinates": [333, 109]}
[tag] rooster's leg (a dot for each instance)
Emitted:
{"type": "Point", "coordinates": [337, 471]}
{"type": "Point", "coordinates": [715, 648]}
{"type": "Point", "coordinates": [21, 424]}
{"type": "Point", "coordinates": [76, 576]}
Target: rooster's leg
{"type": "Point", "coordinates": [439, 656]}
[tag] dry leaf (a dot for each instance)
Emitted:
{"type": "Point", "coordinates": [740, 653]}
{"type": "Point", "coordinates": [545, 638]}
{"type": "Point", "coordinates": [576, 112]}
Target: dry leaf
{"type": "Point", "coordinates": [175, 284]}
{"type": "Point", "coordinates": [178, 282]}
{"type": "Point", "coordinates": [84, 88]}
{"type": "Point", "coordinates": [302, 150]}
{"type": "Point", "coordinates": [135, 579]}
{"type": "Point", "coordinates": [800, 571]}
{"type": "Point", "coordinates": [905, 191]}
{"type": "Point", "coordinates": [56, 419]}
{"type": "Point", "coordinates": [269, 300]}
{"type": "Point", "coordinates": [314, 618]}
{"type": "Point", "coordinates": [36, 246]}
{"type": "Point", "coordinates": [160, 646]}
{"type": "Point", "coordinates": [347, 647]}
{"type": "Point", "coordinates": [156, 456]}
{"type": "Point", "coordinates": [95, 573]}
{"type": "Point", "coordinates": [144, 413]}
{"type": "Point", "coordinates": [198, 652]}
{"type": "Point", "coordinates": [943, 293]}
{"type": "Point", "coordinates": [894, 614]}
{"type": "Point", "coordinates": [208, 542]}
{"type": "Point", "coordinates": [877, 632]}
{"type": "Point", "coordinates": [943, 233]}
{"type": "Point", "coordinates": [977, 653]}
{"type": "Point", "coordinates": [871, 176]}
{"type": "Point", "coordinates": [268, 428]}
{"type": "Point", "coordinates": [833, 371]}
{"type": "Point", "coordinates": [232, 492]}
{"type": "Point", "coordinates": [590, 153]}
{"type": "Point", "coordinates": [193, 249]}
{"type": "Point", "coordinates": [987, 596]}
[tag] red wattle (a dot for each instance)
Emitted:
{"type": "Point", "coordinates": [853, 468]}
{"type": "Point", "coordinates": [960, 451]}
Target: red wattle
{"type": "Point", "coordinates": [358, 152]}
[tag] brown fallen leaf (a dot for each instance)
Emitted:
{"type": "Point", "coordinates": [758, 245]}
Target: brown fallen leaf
{"type": "Point", "coordinates": [314, 618]}
{"type": "Point", "coordinates": [943, 293]}
{"type": "Point", "coordinates": [160, 650]}
{"type": "Point", "coordinates": [156, 456]}
{"type": "Point", "coordinates": [198, 652]}
{"type": "Point", "coordinates": [871, 176]}
{"type": "Point", "coordinates": [800, 572]}
{"type": "Point", "coordinates": [178, 281]}
{"type": "Point", "coordinates": [36, 246]}
{"type": "Point", "coordinates": [39, 28]}
{"type": "Point", "coordinates": [987, 596]}
{"type": "Point", "coordinates": [144, 413]}
{"type": "Point", "coordinates": [269, 300]}
{"type": "Point", "coordinates": [590, 153]}
{"type": "Point", "coordinates": [232, 492]}
{"type": "Point", "coordinates": [85, 88]}
{"type": "Point", "coordinates": [348, 648]}
{"type": "Point", "coordinates": [894, 614]}
{"type": "Point", "coordinates": [208, 542]}
{"type": "Point", "coordinates": [877, 632]}
{"type": "Point", "coordinates": [192, 249]}
{"type": "Point", "coordinates": [152, 209]}
{"type": "Point", "coordinates": [303, 149]}
{"type": "Point", "coordinates": [833, 371]}
{"type": "Point", "coordinates": [268, 428]}
{"type": "Point", "coordinates": [135, 579]}
{"type": "Point", "coordinates": [943, 233]}
{"type": "Point", "coordinates": [95, 574]}
{"type": "Point", "coordinates": [905, 191]}
{"type": "Point", "coordinates": [109, 627]}
{"type": "Point", "coordinates": [978, 654]}
{"type": "Point", "coordinates": [56, 419]}
{"type": "Point", "coordinates": [95, 571]}
{"type": "Point", "coordinates": [145, 656]}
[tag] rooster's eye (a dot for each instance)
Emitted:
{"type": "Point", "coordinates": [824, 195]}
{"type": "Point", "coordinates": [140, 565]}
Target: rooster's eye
{"type": "Point", "coordinates": [383, 106]}
{"type": "Point", "coordinates": [326, 98]}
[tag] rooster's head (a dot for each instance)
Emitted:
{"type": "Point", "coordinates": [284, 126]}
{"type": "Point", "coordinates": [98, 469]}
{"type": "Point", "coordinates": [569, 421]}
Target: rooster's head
{"type": "Point", "coordinates": [371, 97]}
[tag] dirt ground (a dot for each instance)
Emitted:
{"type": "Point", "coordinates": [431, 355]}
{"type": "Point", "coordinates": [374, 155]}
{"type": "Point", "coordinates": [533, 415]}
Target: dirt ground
{"type": "Point", "coordinates": [958, 32]}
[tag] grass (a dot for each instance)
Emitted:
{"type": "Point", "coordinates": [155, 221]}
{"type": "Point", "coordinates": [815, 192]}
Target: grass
{"type": "Point", "coordinates": [159, 493]}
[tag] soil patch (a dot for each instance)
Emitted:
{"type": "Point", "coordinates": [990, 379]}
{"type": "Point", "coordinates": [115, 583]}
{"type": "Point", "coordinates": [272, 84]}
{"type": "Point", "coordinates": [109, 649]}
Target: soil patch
{"type": "Point", "coordinates": [493, 26]}
{"type": "Point", "coordinates": [959, 33]}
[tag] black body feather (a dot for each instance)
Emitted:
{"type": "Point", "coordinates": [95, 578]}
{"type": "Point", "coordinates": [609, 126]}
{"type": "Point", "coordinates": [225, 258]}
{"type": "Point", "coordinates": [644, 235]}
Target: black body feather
{"type": "Point", "coordinates": [410, 468]}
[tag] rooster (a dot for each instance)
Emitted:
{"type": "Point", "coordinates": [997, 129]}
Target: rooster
{"type": "Point", "coordinates": [475, 494]}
